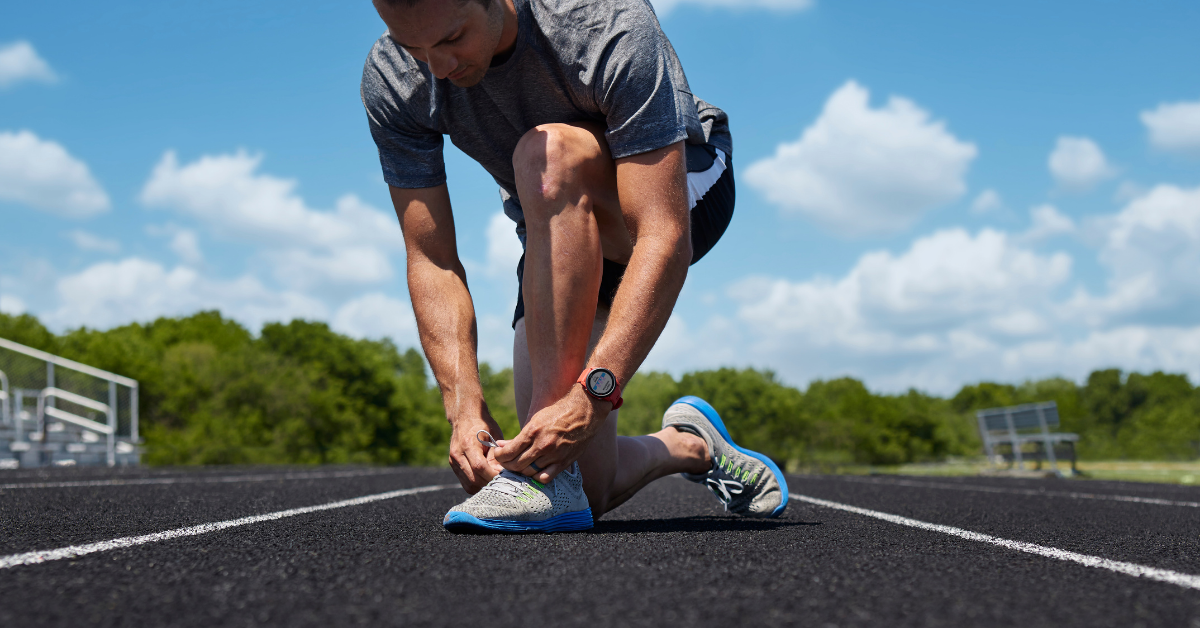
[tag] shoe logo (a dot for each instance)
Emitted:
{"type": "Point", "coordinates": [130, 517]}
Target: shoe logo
{"type": "Point", "coordinates": [527, 495]}
{"type": "Point", "coordinates": [725, 465]}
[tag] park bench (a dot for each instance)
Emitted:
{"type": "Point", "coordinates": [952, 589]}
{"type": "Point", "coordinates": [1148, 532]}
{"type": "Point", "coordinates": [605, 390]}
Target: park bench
{"type": "Point", "coordinates": [1017, 425]}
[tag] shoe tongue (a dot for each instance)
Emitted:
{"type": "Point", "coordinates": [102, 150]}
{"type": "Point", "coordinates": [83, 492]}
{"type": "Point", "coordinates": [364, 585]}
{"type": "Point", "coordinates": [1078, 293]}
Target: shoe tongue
{"type": "Point", "coordinates": [512, 483]}
{"type": "Point", "coordinates": [513, 477]}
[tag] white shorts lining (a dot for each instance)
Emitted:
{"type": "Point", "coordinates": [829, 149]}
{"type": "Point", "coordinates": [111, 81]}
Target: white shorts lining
{"type": "Point", "coordinates": [699, 183]}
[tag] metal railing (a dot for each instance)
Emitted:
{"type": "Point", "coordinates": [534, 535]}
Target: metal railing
{"type": "Point", "coordinates": [108, 428]}
{"type": "Point", "coordinates": [6, 415]}
{"type": "Point", "coordinates": [68, 393]}
{"type": "Point", "coordinates": [50, 379]}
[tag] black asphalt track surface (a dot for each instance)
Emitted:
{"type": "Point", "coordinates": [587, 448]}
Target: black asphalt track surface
{"type": "Point", "coordinates": [668, 557]}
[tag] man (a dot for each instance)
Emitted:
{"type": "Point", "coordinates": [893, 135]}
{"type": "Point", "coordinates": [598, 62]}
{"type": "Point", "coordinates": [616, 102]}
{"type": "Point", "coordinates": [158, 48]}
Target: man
{"type": "Point", "coordinates": [618, 179]}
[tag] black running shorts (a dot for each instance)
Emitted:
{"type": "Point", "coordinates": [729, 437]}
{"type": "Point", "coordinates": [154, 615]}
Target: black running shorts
{"type": "Point", "coordinates": [710, 187]}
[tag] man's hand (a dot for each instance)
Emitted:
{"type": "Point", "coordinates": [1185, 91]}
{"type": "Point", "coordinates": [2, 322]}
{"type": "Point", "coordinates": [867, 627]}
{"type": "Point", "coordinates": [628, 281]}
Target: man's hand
{"type": "Point", "coordinates": [555, 437]}
{"type": "Point", "coordinates": [473, 463]}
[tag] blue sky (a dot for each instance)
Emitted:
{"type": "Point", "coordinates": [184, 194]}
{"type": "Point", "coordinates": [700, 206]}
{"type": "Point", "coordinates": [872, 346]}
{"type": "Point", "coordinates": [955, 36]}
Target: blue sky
{"type": "Point", "coordinates": [929, 194]}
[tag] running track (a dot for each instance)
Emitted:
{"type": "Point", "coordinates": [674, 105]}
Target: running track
{"type": "Point", "coordinates": [357, 546]}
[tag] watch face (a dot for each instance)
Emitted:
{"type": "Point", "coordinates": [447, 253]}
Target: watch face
{"type": "Point", "coordinates": [601, 382]}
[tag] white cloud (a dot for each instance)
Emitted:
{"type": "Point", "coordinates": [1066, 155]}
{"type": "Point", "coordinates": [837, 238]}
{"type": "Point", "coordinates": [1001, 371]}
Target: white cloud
{"type": "Point", "coordinates": [306, 247]}
{"type": "Point", "coordinates": [1078, 163]}
{"type": "Point", "coordinates": [1152, 248]}
{"type": "Point", "coordinates": [1127, 191]}
{"type": "Point", "coordinates": [226, 192]}
{"type": "Point", "coordinates": [1018, 322]}
{"type": "Point", "coordinates": [1132, 348]}
{"type": "Point", "coordinates": [664, 7]}
{"type": "Point", "coordinates": [377, 315]}
{"type": "Point", "coordinates": [503, 247]}
{"type": "Point", "coordinates": [134, 289]}
{"type": "Point", "coordinates": [988, 201]}
{"type": "Point", "coordinates": [715, 343]}
{"type": "Point", "coordinates": [934, 316]}
{"type": "Point", "coordinates": [91, 242]}
{"type": "Point", "coordinates": [186, 245]}
{"type": "Point", "coordinates": [306, 268]}
{"type": "Point", "coordinates": [1048, 222]}
{"type": "Point", "coordinates": [1174, 126]}
{"type": "Point", "coordinates": [959, 307]}
{"type": "Point", "coordinates": [41, 173]}
{"type": "Point", "coordinates": [13, 305]}
{"type": "Point", "coordinates": [20, 62]}
{"type": "Point", "coordinates": [890, 303]}
{"type": "Point", "coordinates": [862, 171]}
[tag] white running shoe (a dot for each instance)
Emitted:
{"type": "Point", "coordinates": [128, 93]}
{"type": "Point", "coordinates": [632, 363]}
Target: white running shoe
{"type": "Point", "coordinates": [745, 482]}
{"type": "Point", "coordinates": [515, 503]}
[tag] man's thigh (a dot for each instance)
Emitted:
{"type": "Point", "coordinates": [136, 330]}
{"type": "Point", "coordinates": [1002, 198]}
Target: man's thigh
{"type": "Point", "coordinates": [573, 159]}
{"type": "Point", "coordinates": [599, 463]}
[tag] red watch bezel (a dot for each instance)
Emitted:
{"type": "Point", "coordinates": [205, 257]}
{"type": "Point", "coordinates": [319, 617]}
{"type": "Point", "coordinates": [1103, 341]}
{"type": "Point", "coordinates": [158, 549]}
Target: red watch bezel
{"type": "Point", "coordinates": [613, 397]}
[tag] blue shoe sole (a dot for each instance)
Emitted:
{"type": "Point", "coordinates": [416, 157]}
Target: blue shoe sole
{"type": "Point", "coordinates": [567, 522]}
{"type": "Point", "coordinates": [710, 413]}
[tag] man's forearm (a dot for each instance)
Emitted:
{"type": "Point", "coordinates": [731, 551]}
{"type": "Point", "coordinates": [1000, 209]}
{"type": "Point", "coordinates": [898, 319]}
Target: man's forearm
{"type": "Point", "coordinates": [446, 322]}
{"type": "Point", "coordinates": [644, 302]}
{"type": "Point", "coordinates": [653, 191]}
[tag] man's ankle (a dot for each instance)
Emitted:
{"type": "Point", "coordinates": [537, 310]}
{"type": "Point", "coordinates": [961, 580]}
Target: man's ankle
{"type": "Point", "coordinates": [693, 449]}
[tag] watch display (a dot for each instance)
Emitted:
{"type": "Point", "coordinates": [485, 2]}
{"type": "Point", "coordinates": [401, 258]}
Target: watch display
{"type": "Point", "coordinates": [601, 382]}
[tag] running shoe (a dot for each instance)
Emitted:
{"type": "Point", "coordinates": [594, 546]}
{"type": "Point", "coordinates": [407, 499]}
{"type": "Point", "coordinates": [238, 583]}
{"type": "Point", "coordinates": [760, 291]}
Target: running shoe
{"type": "Point", "coordinates": [745, 482]}
{"type": "Point", "coordinates": [515, 503]}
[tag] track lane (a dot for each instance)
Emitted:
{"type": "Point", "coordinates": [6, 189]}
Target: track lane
{"type": "Point", "coordinates": [198, 479]}
{"type": "Point", "coordinates": [58, 517]}
{"type": "Point", "coordinates": [1151, 535]}
{"type": "Point", "coordinates": [1039, 491]}
{"type": "Point", "coordinates": [669, 556]}
{"type": "Point", "coordinates": [1185, 580]}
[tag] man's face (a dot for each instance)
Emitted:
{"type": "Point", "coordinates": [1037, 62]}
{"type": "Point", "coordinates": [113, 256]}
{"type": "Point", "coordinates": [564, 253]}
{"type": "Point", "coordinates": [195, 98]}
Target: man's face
{"type": "Point", "coordinates": [455, 38]}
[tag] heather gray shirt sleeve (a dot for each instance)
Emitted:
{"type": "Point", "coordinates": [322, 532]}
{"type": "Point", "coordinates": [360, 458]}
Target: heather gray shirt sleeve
{"type": "Point", "coordinates": [637, 86]}
{"type": "Point", "coordinates": [409, 152]}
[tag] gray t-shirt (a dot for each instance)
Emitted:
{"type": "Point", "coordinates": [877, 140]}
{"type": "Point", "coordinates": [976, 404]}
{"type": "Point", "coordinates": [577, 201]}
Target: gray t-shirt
{"type": "Point", "coordinates": [604, 61]}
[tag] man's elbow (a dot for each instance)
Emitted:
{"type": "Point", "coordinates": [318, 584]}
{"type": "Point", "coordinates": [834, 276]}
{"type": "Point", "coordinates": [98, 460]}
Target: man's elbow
{"type": "Point", "coordinates": [675, 248]}
{"type": "Point", "coordinates": [684, 258]}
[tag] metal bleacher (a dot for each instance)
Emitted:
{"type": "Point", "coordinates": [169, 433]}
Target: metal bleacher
{"type": "Point", "coordinates": [1016, 426]}
{"type": "Point", "coordinates": [55, 411]}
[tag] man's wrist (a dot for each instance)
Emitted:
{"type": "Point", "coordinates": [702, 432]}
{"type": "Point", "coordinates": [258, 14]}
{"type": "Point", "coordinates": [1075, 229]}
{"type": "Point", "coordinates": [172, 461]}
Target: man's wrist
{"type": "Point", "coordinates": [471, 410]}
{"type": "Point", "coordinates": [600, 407]}
{"type": "Point", "coordinates": [601, 383]}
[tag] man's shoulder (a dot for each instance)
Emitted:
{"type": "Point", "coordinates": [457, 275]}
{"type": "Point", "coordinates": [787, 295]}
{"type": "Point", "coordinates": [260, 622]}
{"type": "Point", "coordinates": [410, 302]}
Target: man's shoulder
{"type": "Point", "coordinates": [391, 75]}
{"type": "Point", "coordinates": [588, 21]}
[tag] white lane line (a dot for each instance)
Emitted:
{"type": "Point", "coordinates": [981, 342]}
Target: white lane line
{"type": "Point", "coordinates": [220, 479]}
{"type": "Point", "coordinates": [1130, 569]}
{"type": "Point", "coordinates": [74, 551]}
{"type": "Point", "coordinates": [1024, 491]}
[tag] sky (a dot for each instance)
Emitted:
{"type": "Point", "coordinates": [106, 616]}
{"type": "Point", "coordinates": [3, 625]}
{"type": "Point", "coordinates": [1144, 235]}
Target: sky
{"type": "Point", "coordinates": [929, 194]}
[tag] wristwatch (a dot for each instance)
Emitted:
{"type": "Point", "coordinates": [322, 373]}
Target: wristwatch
{"type": "Point", "coordinates": [602, 384]}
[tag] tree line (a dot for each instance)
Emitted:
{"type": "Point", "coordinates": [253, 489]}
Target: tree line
{"type": "Point", "coordinates": [214, 393]}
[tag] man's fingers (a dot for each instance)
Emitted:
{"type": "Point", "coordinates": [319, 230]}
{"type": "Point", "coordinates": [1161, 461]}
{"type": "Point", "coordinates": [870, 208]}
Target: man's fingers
{"type": "Point", "coordinates": [462, 467]}
{"type": "Point", "coordinates": [548, 472]}
{"type": "Point", "coordinates": [495, 464]}
{"type": "Point", "coordinates": [533, 454]}
{"type": "Point", "coordinates": [482, 467]}
{"type": "Point", "coordinates": [507, 450]}
{"type": "Point", "coordinates": [467, 481]}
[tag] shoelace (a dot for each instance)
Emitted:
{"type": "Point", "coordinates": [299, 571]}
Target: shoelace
{"type": "Point", "coordinates": [509, 483]}
{"type": "Point", "coordinates": [724, 489]}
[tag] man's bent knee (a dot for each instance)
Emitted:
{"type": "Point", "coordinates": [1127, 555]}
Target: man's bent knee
{"type": "Point", "coordinates": [552, 161]}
